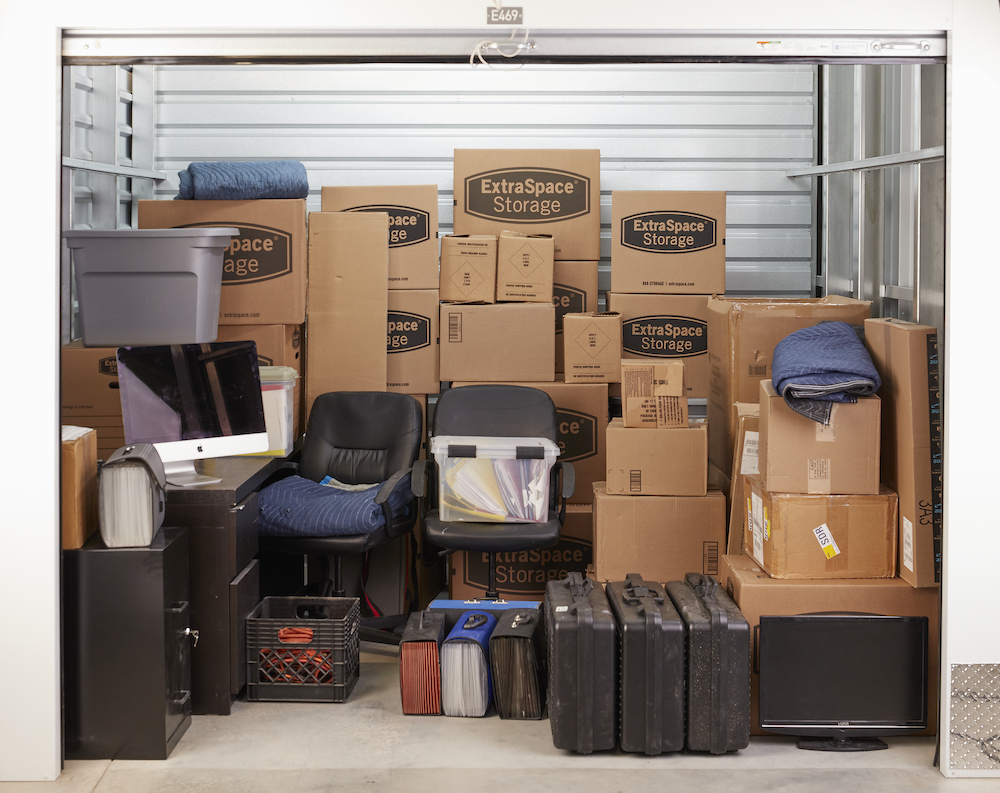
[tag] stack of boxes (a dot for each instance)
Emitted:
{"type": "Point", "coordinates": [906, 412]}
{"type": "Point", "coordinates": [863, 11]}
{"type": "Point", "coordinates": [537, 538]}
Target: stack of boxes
{"type": "Point", "coordinates": [523, 256]}
{"type": "Point", "coordinates": [816, 504]}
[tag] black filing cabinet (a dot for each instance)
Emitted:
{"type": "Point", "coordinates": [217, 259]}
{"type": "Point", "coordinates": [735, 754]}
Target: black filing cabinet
{"type": "Point", "coordinates": [127, 648]}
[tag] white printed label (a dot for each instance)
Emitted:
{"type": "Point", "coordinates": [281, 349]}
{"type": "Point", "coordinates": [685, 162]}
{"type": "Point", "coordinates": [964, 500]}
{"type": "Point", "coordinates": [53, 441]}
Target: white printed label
{"type": "Point", "coordinates": [561, 609]}
{"type": "Point", "coordinates": [757, 522]}
{"type": "Point", "coordinates": [826, 541]}
{"type": "Point", "coordinates": [751, 442]}
{"type": "Point", "coordinates": [908, 544]}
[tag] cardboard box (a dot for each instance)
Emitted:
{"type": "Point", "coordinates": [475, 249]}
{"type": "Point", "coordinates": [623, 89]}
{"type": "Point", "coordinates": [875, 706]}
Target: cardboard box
{"type": "Point", "coordinates": [412, 351]}
{"type": "Point", "coordinates": [574, 291]}
{"type": "Point", "coordinates": [90, 396]}
{"type": "Point", "coordinates": [906, 356]}
{"type": "Point", "coordinates": [820, 536]}
{"type": "Point", "coordinates": [653, 395]}
{"type": "Point", "coordinates": [522, 575]}
{"type": "Point", "coordinates": [745, 462]}
{"type": "Point", "coordinates": [413, 227]}
{"type": "Point", "coordinates": [264, 268]}
{"type": "Point", "coordinates": [582, 416]}
{"type": "Point", "coordinates": [799, 455]}
{"type": "Point", "coordinates": [524, 267]}
{"type": "Point", "coordinates": [719, 480]}
{"type": "Point", "coordinates": [469, 268]}
{"type": "Point", "coordinates": [79, 486]}
{"type": "Point", "coordinates": [505, 342]}
{"type": "Point", "coordinates": [667, 242]}
{"type": "Point", "coordinates": [756, 593]}
{"type": "Point", "coordinates": [592, 347]}
{"type": "Point", "coordinates": [277, 345]}
{"type": "Point", "coordinates": [535, 191]}
{"type": "Point", "coordinates": [654, 462]}
{"type": "Point", "coordinates": [742, 334]}
{"type": "Point", "coordinates": [667, 328]}
{"type": "Point", "coordinates": [348, 303]}
{"type": "Point", "coordinates": [661, 537]}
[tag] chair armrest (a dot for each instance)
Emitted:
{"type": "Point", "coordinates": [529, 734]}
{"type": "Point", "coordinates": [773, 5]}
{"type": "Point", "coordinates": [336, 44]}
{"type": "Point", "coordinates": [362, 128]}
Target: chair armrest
{"type": "Point", "coordinates": [418, 482]}
{"type": "Point", "coordinates": [389, 485]}
{"type": "Point", "coordinates": [568, 479]}
{"type": "Point", "coordinates": [283, 471]}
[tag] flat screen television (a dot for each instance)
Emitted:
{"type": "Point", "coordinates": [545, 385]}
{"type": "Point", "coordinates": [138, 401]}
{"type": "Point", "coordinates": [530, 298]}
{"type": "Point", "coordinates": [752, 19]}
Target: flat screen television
{"type": "Point", "coordinates": [192, 401]}
{"type": "Point", "coordinates": [840, 680]}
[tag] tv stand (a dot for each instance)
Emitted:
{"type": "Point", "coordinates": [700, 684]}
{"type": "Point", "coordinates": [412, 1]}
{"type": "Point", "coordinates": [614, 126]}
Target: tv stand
{"type": "Point", "coordinates": [842, 744]}
{"type": "Point", "coordinates": [184, 474]}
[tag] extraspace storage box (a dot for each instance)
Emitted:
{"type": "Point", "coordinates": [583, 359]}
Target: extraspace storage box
{"type": "Point", "coordinates": [756, 593]}
{"type": "Point", "coordinates": [534, 191]}
{"type": "Point", "coordinates": [667, 328]}
{"type": "Point", "coordinates": [592, 344]}
{"type": "Point", "coordinates": [820, 536]}
{"type": "Point", "coordinates": [906, 356]}
{"type": "Point", "coordinates": [667, 462]}
{"type": "Point", "coordinates": [524, 267]}
{"type": "Point", "coordinates": [799, 455]}
{"type": "Point", "coordinates": [668, 242]}
{"type": "Point", "coordinates": [469, 268]}
{"type": "Point", "coordinates": [412, 352]}
{"type": "Point", "coordinates": [522, 575]}
{"type": "Point", "coordinates": [413, 227]}
{"type": "Point", "coordinates": [661, 537]}
{"type": "Point", "coordinates": [348, 303]}
{"type": "Point", "coordinates": [89, 394]}
{"type": "Point", "coordinates": [742, 334]}
{"type": "Point", "coordinates": [574, 291]}
{"type": "Point", "coordinates": [503, 342]}
{"type": "Point", "coordinates": [582, 422]}
{"type": "Point", "coordinates": [264, 268]}
{"type": "Point", "coordinates": [79, 486]}
{"type": "Point", "coordinates": [653, 394]}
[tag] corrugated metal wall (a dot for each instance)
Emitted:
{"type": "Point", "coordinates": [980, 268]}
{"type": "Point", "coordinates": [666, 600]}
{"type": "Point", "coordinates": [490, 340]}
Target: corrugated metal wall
{"type": "Point", "coordinates": [659, 127]}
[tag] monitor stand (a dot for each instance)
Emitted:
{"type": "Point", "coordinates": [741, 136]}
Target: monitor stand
{"type": "Point", "coordinates": [842, 744]}
{"type": "Point", "coordinates": [183, 474]}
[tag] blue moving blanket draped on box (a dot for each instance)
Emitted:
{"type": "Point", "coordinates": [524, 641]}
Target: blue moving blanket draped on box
{"type": "Point", "coordinates": [243, 181]}
{"type": "Point", "coordinates": [819, 365]}
{"type": "Point", "coordinates": [299, 507]}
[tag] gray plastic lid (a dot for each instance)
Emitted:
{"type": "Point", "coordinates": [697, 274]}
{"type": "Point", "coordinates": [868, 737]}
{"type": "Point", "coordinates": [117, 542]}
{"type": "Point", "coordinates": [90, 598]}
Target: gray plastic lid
{"type": "Point", "coordinates": [201, 231]}
{"type": "Point", "coordinates": [274, 374]}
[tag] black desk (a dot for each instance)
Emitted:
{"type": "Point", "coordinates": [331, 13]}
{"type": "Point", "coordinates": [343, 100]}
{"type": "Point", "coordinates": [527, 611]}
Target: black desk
{"type": "Point", "coordinates": [225, 579]}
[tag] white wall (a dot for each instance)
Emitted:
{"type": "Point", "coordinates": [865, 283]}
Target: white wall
{"type": "Point", "coordinates": [29, 724]}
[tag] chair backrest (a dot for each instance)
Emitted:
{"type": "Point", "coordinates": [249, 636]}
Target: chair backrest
{"type": "Point", "coordinates": [361, 437]}
{"type": "Point", "coordinates": [496, 410]}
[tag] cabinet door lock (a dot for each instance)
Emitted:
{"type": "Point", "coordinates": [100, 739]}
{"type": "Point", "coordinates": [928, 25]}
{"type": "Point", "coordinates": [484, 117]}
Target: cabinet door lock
{"type": "Point", "coordinates": [193, 634]}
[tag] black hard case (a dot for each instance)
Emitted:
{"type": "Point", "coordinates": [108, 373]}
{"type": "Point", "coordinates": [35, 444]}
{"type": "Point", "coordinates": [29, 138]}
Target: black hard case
{"type": "Point", "coordinates": [582, 652]}
{"type": "Point", "coordinates": [718, 667]}
{"type": "Point", "coordinates": [652, 666]}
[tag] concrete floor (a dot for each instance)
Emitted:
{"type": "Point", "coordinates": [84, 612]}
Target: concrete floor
{"type": "Point", "coordinates": [366, 744]}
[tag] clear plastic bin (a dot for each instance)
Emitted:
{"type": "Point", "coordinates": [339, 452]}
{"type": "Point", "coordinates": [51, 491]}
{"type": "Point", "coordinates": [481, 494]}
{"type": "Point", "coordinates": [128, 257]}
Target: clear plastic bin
{"type": "Point", "coordinates": [497, 480]}
{"type": "Point", "coordinates": [148, 286]}
{"type": "Point", "coordinates": [277, 386]}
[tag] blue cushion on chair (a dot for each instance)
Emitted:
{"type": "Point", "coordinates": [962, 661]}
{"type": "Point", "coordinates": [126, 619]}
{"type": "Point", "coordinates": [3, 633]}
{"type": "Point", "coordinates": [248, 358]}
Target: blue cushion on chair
{"type": "Point", "coordinates": [300, 507]}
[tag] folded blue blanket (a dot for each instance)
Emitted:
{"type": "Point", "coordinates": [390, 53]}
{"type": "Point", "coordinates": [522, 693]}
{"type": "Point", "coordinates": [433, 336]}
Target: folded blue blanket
{"type": "Point", "coordinates": [243, 181]}
{"type": "Point", "coordinates": [299, 507]}
{"type": "Point", "coordinates": [819, 365]}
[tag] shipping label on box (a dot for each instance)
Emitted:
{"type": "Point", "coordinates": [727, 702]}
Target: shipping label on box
{"type": "Point", "coordinates": [504, 342]}
{"type": "Point", "coordinates": [412, 342]}
{"type": "Point", "coordinates": [524, 267]}
{"type": "Point", "coordinates": [820, 536]}
{"type": "Point", "coordinates": [524, 574]}
{"type": "Point", "coordinates": [667, 242]}
{"type": "Point", "coordinates": [574, 291]}
{"type": "Point", "coordinates": [658, 462]}
{"type": "Point", "coordinates": [413, 227]}
{"type": "Point", "coordinates": [592, 347]}
{"type": "Point", "coordinates": [654, 395]}
{"type": "Point", "coordinates": [469, 268]}
{"type": "Point", "coordinates": [263, 269]}
{"type": "Point", "coordinates": [661, 537]}
{"type": "Point", "coordinates": [799, 455]}
{"type": "Point", "coordinates": [348, 303]}
{"type": "Point", "coordinates": [742, 335]}
{"type": "Point", "coordinates": [535, 191]}
{"type": "Point", "coordinates": [667, 328]}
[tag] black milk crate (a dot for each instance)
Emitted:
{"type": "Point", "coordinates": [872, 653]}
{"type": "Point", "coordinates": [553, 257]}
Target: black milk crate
{"type": "Point", "coordinates": [302, 649]}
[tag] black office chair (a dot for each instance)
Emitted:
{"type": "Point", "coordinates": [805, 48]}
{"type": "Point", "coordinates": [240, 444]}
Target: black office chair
{"type": "Point", "coordinates": [355, 437]}
{"type": "Point", "coordinates": [493, 411]}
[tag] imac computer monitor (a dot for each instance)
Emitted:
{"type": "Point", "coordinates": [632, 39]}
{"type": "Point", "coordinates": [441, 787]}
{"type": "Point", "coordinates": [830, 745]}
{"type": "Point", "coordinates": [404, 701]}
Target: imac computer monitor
{"type": "Point", "coordinates": [840, 680]}
{"type": "Point", "coordinates": [192, 401]}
